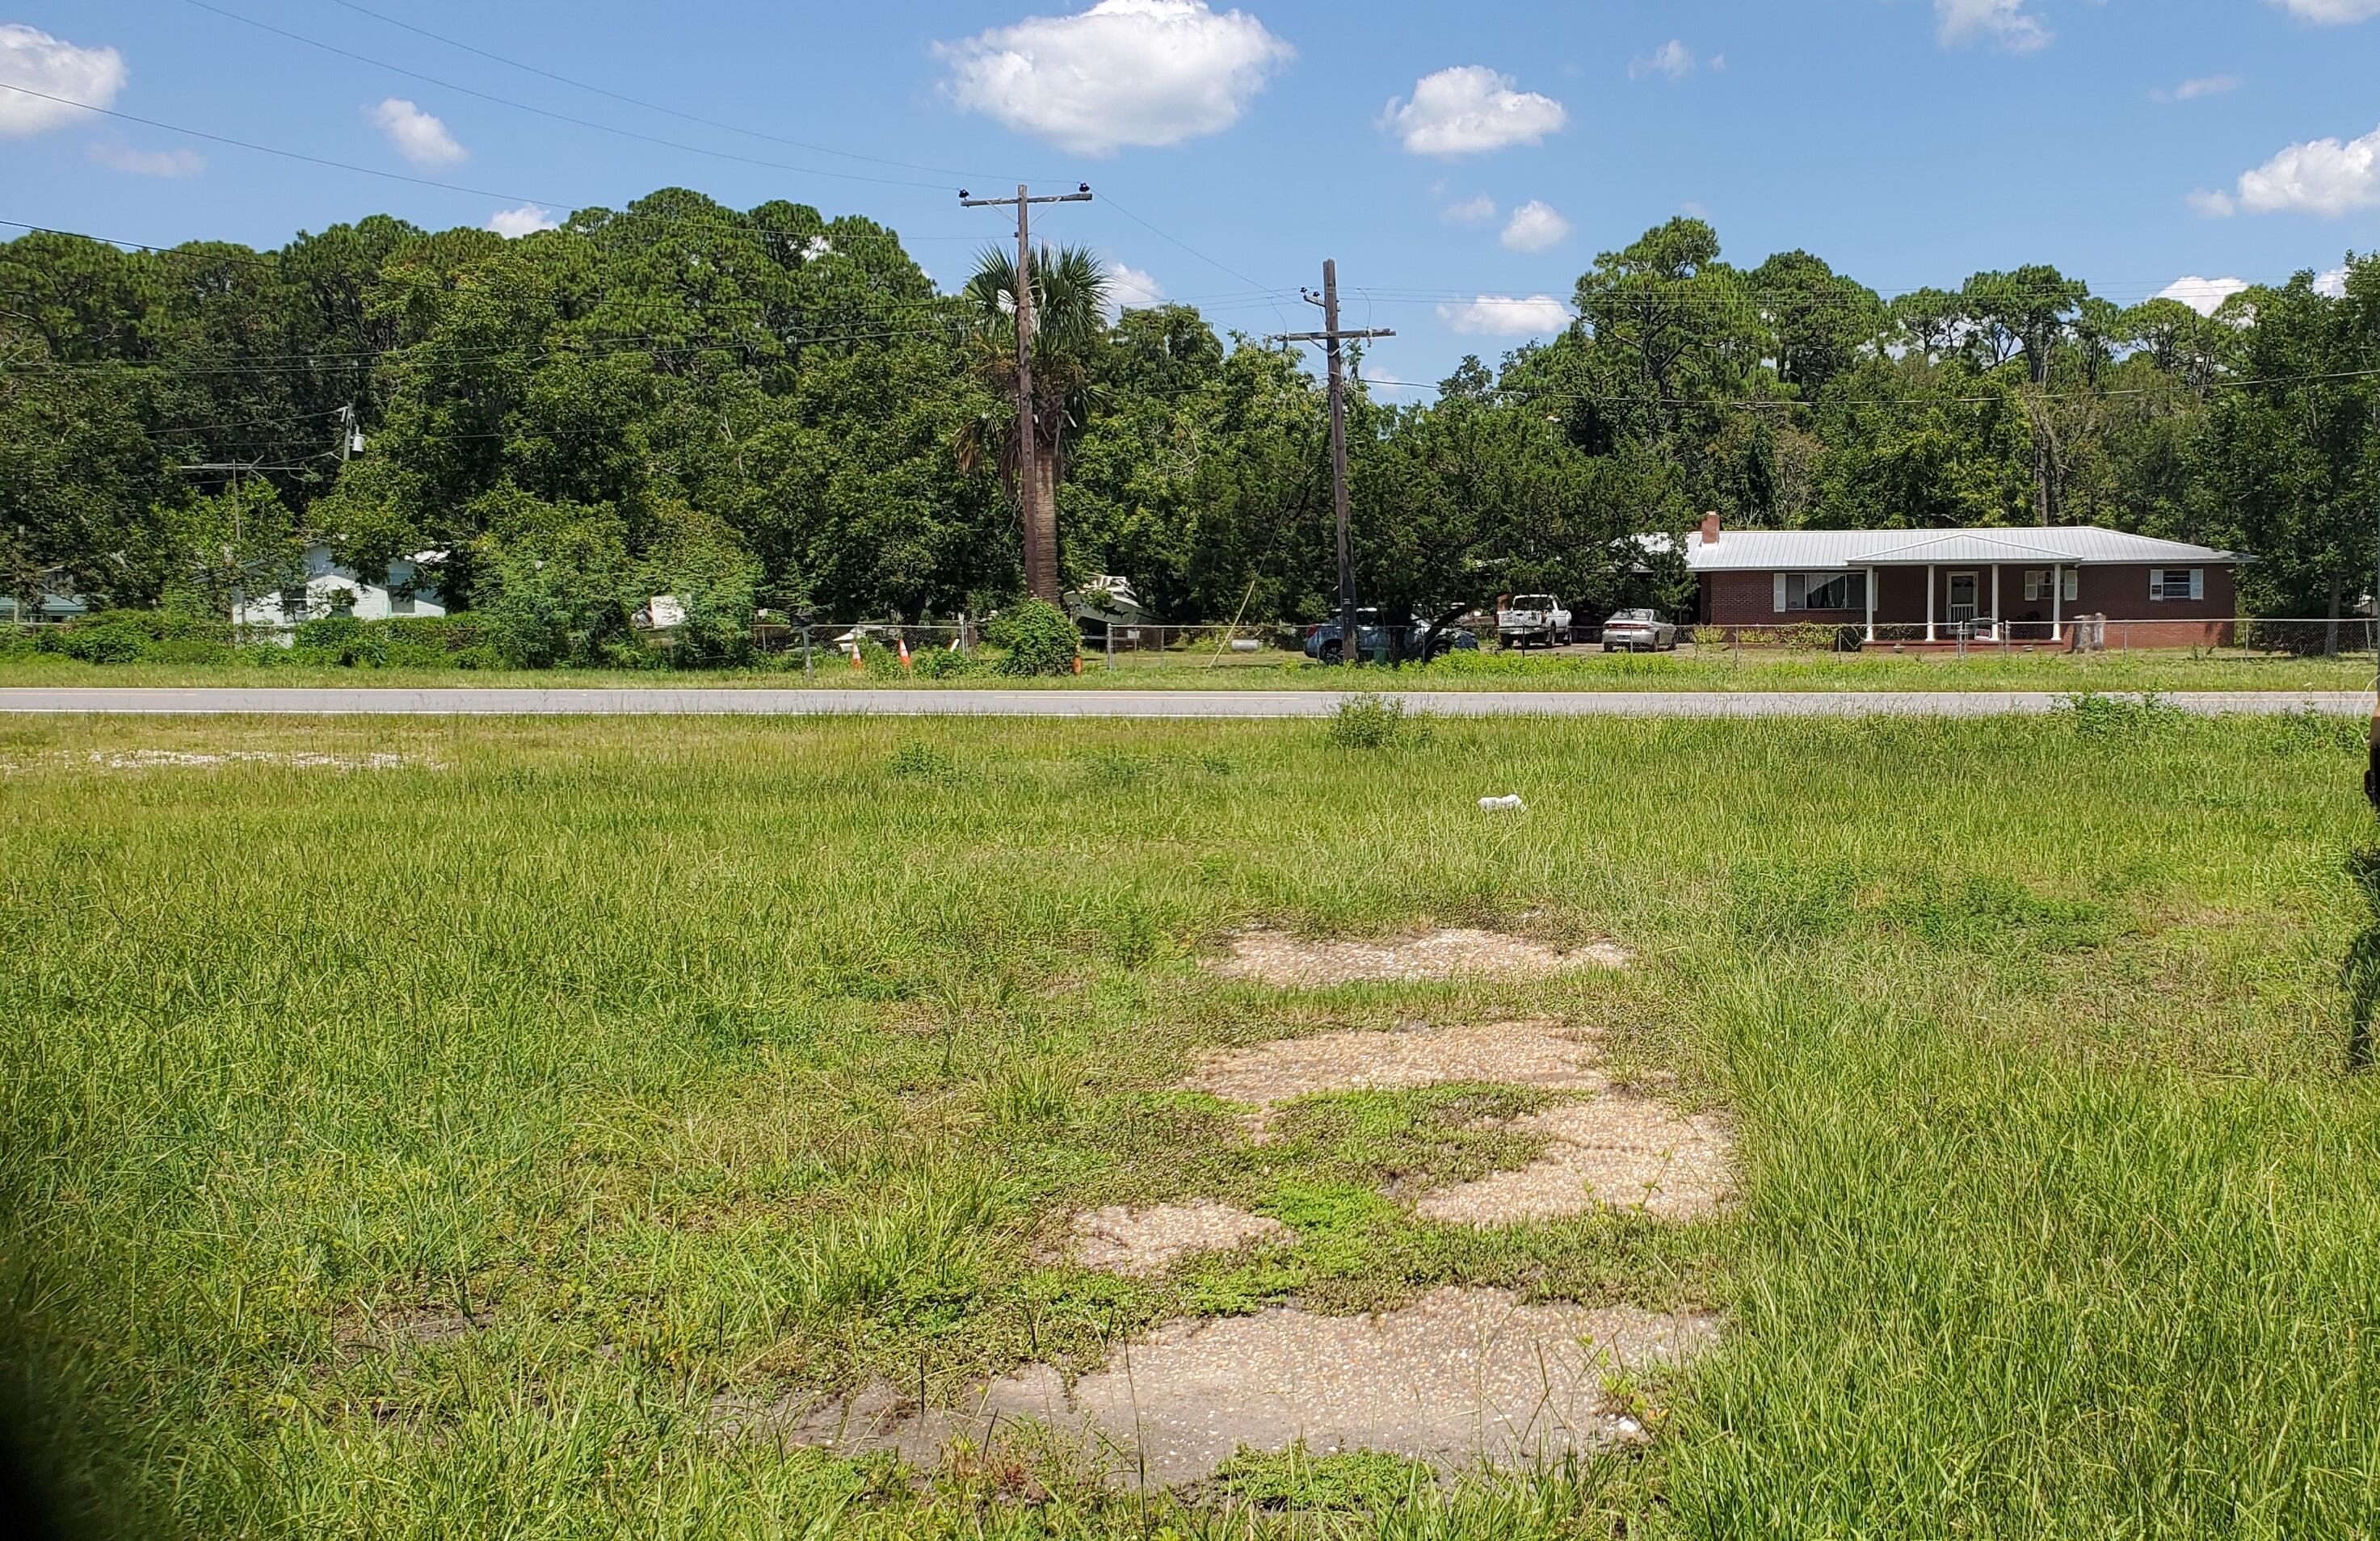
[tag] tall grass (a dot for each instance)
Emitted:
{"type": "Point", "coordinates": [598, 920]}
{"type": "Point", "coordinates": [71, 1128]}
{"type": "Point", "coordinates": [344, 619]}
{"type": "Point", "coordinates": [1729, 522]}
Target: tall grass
{"type": "Point", "coordinates": [421, 1151]}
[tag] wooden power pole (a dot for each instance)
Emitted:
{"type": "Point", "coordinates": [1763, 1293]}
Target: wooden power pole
{"type": "Point", "coordinates": [1040, 523]}
{"type": "Point", "coordinates": [1332, 336]}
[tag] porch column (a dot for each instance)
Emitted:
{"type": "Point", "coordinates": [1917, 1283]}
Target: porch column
{"type": "Point", "coordinates": [1871, 605]}
{"type": "Point", "coordinates": [1931, 582]}
{"type": "Point", "coordinates": [1996, 602]}
{"type": "Point", "coordinates": [2058, 604]}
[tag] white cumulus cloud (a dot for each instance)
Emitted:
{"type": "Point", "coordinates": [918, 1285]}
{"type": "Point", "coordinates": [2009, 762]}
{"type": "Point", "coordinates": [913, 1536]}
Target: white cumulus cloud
{"type": "Point", "coordinates": [38, 62]}
{"type": "Point", "coordinates": [1471, 211]}
{"type": "Point", "coordinates": [1506, 316]}
{"type": "Point", "coordinates": [1129, 288]}
{"type": "Point", "coordinates": [420, 136]}
{"type": "Point", "coordinates": [2205, 296]}
{"type": "Point", "coordinates": [149, 163]}
{"type": "Point", "coordinates": [2332, 13]}
{"type": "Point", "coordinates": [2328, 177]}
{"type": "Point", "coordinates": [526, 220]}
{"type": "Point", "coordinates": [2005, 22]}
{"type": "Point", "coordinates": [2332, 284]}
{"type": "Point", "coordinates": [1125, 72]}
{"type": "Point", "coordinates": [1468, 110]}
{"type": "Point", "coordinates": [1535, 226]}
{"type": "Point", "coordinates": [1673, 60]}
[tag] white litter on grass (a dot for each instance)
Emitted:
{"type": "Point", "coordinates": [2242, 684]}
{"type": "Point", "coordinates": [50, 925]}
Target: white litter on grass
{"type": "Point", "coordinates": [1503, 805]}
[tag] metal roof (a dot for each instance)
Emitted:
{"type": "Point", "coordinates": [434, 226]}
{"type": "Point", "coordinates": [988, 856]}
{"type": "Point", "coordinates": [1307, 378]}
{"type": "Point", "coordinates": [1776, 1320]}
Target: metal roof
{"type": "Point", "coordinates": [1767, 550]}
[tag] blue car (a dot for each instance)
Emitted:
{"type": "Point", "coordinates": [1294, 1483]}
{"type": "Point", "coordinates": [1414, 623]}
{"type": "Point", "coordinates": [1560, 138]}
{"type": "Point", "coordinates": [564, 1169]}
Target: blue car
{"type": "Point", "coordinates": [1324, 643]}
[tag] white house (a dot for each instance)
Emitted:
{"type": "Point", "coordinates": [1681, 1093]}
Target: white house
{"type": "Point", "coordinates": [331, 588]}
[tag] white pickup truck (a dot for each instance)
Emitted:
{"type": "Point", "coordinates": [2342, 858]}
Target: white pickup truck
{"type": "Point", "coordinates": [1533, 619]}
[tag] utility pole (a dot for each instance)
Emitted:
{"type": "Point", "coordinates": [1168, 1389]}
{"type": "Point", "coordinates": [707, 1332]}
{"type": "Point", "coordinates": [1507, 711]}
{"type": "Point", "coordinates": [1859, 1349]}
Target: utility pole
{"type": "Point", "coordinates": [1332, 336]}
{"type": "Point", "coordinates": [1040, 523]}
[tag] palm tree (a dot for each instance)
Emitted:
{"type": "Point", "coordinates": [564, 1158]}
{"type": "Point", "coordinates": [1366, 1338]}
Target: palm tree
{"type": "Point", "coordinates": [1070, 296]}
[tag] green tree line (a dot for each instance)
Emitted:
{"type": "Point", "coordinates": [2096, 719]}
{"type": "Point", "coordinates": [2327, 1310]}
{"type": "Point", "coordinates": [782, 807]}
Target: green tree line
{"type": "Point", "coordinates": [772, 407]}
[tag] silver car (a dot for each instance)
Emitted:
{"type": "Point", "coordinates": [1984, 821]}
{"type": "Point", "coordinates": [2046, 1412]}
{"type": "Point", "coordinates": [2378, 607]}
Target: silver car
{"type": "Point", "coordinates": [1639, 631]}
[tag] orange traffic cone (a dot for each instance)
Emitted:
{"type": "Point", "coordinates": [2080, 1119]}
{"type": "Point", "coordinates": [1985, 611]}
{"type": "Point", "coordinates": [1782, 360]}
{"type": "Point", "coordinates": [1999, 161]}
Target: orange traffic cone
{"type": "Point", "coordinates": [904, 653]}
{"type": "Point", "coordinates": [856, 661]}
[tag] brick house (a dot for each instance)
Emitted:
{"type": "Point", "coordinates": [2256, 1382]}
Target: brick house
{"type": "Point", "coordinates": [1924, 586]}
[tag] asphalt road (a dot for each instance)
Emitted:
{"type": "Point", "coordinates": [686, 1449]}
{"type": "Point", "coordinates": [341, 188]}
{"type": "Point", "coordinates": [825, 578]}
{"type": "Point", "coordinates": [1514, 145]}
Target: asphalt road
{"type": "Point", "coordinates": [1212, 704]}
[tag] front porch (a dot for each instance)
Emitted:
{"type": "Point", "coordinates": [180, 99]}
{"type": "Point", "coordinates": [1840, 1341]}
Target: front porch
{"type": "Point", "coordinates": [1948, 602]}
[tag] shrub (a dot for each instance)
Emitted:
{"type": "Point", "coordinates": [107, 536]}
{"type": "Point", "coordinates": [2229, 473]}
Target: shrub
{"type": "Point", "coordinates": [945, 663]}
{"type": "Point", "coordinates": [924, 762]}
{"type": "Point", "coordinates": [104, 637]}
{"type": "Point", "coordinates": [2098, 716]}
{"type": "Point", "coordinates": [1377, 723]}
{"type": "Point", "coordinates": [1039, 636]}
{"type": "Point", "coordinates": [337, 639]}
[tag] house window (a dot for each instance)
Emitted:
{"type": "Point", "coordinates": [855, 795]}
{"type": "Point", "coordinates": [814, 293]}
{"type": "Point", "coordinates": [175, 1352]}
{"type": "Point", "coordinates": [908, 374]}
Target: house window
{"type": "Point", "coordinates": [295, 605]}
{"type": "Point", "coordinates": [1821, 591]}
{"type": "Point", "coordinates": [400, 604]}
{"type": "Point", "coordinates": [2040, 583]}
{"type": "Point", "coordinates": [2177, 583]}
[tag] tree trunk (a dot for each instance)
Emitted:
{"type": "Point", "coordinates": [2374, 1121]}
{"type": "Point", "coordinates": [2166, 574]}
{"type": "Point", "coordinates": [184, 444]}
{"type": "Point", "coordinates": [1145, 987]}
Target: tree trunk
{"type": "Point", "coordinates": [2330, 636]}
{"type": "Point", "coordinates": [1041, 530]}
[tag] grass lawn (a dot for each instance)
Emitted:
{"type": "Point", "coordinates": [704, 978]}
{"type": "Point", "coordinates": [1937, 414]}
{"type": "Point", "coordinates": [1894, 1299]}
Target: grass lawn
{"type": "Point", "coordinates": [2167, 669]}
{"type": "Point", "coordinates": [430, 1149]}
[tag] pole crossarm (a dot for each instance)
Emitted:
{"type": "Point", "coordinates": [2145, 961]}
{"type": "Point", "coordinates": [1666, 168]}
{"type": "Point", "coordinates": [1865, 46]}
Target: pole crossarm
{"type": "Point", "coordinates": [1330, 337]}
{"type": "Point", "coordinates": [1038, 522]}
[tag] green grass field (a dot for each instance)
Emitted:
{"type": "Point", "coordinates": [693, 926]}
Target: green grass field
{"type": "Point", "coordinates": [424, 1150]}
{"type": "Point", "coordinates": [2165, 669]}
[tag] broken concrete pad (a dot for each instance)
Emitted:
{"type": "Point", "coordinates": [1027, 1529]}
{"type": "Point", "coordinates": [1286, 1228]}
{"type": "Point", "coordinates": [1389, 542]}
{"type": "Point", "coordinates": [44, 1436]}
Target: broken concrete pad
{"type": "Point", "coordinates": [1144, 1243]}
{"type": "Point", "coordinates": [1542, 1055]}
{"type": "Point", "coordinates": [1295, 962]}
{"type": "Point", "coordinates": [1615, 1150]}
{"type": "Point", "coordinates": [1459, 1379]}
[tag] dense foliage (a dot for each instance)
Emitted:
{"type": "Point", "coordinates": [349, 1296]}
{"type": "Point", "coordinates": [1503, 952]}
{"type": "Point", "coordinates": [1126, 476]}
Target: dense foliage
{"type": "Point", "coordinates": [772, 409]}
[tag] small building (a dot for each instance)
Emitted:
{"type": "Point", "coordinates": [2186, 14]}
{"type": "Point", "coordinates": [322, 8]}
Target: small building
{"type": "Point", "coordinates": [1991, 584]}
{"type": "Point", "coordinates": [332, 589]}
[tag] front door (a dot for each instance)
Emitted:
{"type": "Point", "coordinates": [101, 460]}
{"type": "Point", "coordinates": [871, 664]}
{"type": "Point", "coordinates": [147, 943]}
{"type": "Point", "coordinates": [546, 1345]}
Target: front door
{"type": "Point", "coordinates": [1963, 599]}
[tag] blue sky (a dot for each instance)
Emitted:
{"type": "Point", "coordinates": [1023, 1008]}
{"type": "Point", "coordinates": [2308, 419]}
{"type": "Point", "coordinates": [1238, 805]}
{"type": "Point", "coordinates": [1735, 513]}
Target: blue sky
{"type": "Point", "coordinates": [1443, 154]}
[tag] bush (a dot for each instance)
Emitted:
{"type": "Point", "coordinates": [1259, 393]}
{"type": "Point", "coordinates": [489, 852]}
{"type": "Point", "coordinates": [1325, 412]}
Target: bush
{"type": "Point", "coordinates": [1039, 639]}
{"type": "Point", "coordinates": [340, 640]}
{"type": "Point", "coordinates": [945, 663]}
{"type": "Point", "coordinates": [1377, 723]}
{"type": "Point", "coordinates": [104, 637]}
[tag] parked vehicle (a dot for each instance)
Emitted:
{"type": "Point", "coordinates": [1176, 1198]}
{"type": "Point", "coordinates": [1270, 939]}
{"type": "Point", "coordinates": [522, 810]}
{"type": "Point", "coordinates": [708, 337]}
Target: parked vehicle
{"type": "Point", "coordinates": [1372, 641]}
{"type": "Point", "coordinates": [1639, 631]}
{"type": "Point", "coordinates": [1537, 619]}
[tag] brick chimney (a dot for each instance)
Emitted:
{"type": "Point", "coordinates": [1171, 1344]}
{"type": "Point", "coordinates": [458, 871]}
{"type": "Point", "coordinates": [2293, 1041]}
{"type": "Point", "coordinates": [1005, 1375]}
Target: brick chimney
{"type": "Point", "coordinates": [1710, 529]}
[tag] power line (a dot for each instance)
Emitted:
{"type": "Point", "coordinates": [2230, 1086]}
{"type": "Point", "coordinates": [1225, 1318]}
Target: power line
{"type": "Point", "coordinates": [543, 112]}
{"type": "Point", "coordinates": [638, 102]}
{"type": "Point", "coordinates": [273, 150]}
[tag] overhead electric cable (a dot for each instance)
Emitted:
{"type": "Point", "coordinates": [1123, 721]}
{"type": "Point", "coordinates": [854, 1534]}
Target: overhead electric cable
{"type": "Point", "coordinates": [559, 118]}
{"type": "Point", "coordinates": [273, 150]}
{"type": "Point", "coordinates": [653, 107]}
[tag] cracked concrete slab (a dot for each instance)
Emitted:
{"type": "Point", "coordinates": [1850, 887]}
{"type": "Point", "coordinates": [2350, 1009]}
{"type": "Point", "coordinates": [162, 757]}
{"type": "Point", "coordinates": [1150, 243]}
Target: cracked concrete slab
{"type": "Point", "coordinates": [1615, 1150]}
{"type": "Point", "coordinates": [1142, 1244]}
{"type": "Point", "coordinates": [1541, 1055]}
{"type": "Point", "coordinates": [1298, 962]}
{"type": "Point", "coordinates": [1460, 1378]}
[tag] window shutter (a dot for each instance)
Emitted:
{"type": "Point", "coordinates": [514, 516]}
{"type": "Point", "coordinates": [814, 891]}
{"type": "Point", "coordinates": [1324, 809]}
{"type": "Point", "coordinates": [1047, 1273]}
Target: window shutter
{"type": "Point", "coordinates": [2032, 587]}
{"type": "Point", "coordinates": [1781, 593]}
{"type": "Point", "coordinates": [2198, 583]}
